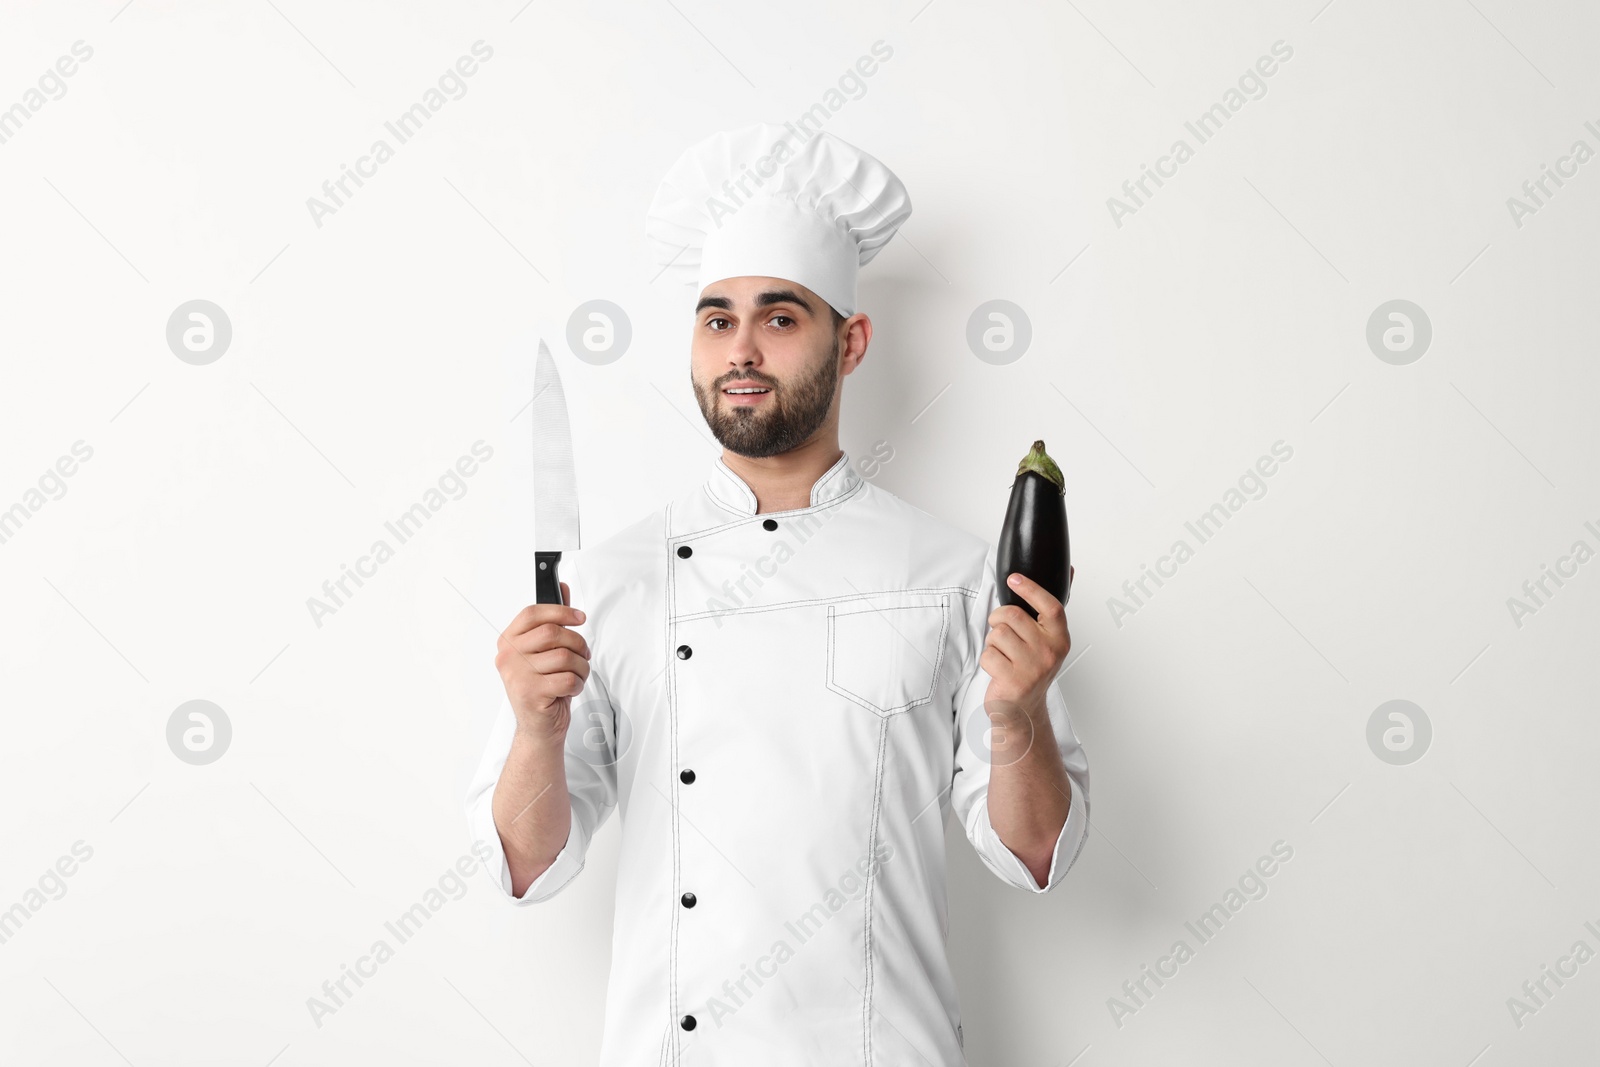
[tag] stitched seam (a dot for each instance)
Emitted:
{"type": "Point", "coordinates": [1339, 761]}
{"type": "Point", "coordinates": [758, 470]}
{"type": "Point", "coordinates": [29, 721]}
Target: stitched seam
{"type": "Point", "coordinates": [832, 685]}
{"type": "Point", "coordinates": [672, 784]}
{"type": "Point", "coordinates": [893, 607]}
{"type": "Point", "coordinates": [872, 881]}
{"type": "Point", "coordinates": [854, 699]}
{"type": "Point", "coordinates": [864, 702]}
{"type": "Point", "coordinates": [745, 517]}
{"type": "Point", "coordinates": [938, 657]}
{"type": "Point", "coordinates": [719, 503]}
{"type": "Point", "coordinates": [842, 467]}
{"type": "Point", "coordinates": [737, 485]}
{"type": "Point", "coordinates": [921, 590]}
{"type": "Point", "coordinates": [827, 677]}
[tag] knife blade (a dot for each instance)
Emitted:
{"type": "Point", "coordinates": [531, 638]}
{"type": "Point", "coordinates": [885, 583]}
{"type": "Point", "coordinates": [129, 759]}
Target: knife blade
{"type": "Point", "coordinates": [555, 483]}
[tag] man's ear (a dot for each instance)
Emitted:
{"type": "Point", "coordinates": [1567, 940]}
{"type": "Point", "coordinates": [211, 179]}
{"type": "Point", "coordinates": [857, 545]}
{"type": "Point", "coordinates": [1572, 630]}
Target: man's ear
{"type": "Point", "coordinates": [857, 335]}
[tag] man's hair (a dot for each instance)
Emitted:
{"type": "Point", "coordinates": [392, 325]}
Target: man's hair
{"type": "Point", "coordinates": [838, 320]}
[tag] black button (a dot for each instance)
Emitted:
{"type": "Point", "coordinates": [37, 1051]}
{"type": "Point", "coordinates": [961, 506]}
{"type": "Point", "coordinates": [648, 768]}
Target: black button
{"type": "Point", "coordinates": [770, 524]}
{"type": "Point", "coordinates": [684, 551]}
{"type": "Point", "coordinates": [686, 776]}
{"type": "Point", "coordinates": [688, 900]}
{"type": "Point", "coordinates": [687, 1022]}
{"type": "Point", "coordinates": [684, 651]}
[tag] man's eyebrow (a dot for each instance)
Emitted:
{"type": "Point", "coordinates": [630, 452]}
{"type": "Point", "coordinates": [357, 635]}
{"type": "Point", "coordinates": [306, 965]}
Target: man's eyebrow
{"type": "Point", "coordinates": [765, 299]}
{"type": "Point", "coordinates": [781, 296]}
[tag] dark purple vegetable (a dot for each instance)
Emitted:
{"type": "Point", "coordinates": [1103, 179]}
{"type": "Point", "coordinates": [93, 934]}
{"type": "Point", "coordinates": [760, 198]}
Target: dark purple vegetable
{"type": "Point", "coordinates": [1033, 538]}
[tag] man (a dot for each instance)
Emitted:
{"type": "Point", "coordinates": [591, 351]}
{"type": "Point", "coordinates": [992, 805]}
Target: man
{"type": "Point", "coordinates": [784, 679]}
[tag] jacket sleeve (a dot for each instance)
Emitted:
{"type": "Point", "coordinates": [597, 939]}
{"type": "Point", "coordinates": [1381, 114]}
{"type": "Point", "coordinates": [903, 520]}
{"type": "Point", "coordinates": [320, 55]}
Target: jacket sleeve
{"type": "Point", "coordinates": [969, 790]}
{"type": "Point", "coordinates": [591, 765]}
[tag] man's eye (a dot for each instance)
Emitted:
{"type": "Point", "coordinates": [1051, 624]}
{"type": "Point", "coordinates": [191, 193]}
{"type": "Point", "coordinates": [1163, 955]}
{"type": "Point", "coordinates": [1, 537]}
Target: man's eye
{"type": "Point", "coordinates": [782, 320]}
{"type": "Point", "coordinates": [712, 322]}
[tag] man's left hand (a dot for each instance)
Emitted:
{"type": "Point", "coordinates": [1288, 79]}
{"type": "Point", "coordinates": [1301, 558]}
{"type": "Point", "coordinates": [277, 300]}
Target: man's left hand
{"type": "Point", "coordinates": [1022, 655]}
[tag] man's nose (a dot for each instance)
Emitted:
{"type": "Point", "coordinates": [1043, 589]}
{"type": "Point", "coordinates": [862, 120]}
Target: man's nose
{"type": "Point", "coordinates": [746, 348]}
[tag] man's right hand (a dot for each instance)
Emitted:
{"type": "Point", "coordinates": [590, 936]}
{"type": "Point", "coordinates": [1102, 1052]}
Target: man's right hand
{"type": "Point", "coordinates": [543, 665]}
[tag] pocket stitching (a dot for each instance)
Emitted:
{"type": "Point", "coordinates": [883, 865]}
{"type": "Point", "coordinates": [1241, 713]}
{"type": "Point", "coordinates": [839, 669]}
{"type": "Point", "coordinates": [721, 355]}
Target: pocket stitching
{"type": "Point", "coordinates": [938, 657]}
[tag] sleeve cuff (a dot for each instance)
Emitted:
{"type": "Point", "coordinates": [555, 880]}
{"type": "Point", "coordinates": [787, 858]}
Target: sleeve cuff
{"type": "Point", "coordinates": [568, 862]}
{"type": "Point", "coordinates": [1069, 842]}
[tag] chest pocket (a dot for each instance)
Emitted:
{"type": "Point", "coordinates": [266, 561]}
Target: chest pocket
{"type": "Point", "coordinates": [884, 653]}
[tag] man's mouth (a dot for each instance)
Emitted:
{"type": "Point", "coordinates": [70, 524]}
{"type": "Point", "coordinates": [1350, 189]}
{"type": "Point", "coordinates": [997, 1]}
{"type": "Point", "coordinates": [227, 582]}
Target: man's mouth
{"type": "Point", "coordinates": [745, 395]}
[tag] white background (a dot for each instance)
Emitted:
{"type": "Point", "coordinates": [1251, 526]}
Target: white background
{"type": "Point", "coordinates": [1168, 353]}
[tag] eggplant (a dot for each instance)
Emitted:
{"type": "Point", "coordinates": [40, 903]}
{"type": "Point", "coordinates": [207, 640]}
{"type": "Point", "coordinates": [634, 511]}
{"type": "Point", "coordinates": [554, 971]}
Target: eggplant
{"type": "Point", "coordinates": [1033, 538]}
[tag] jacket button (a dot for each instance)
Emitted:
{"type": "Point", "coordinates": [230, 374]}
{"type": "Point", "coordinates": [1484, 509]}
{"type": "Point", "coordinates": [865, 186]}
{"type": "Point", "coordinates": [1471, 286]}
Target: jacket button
{"type": "Point", "coordinates": [688, 900]}
{"type": "Point", "coordinates": [684, 551]}
{"type": "Point", "coordinates": [684, 651]}
{"type": "Point", "coordinates": [687, 1022]}
{"type": "Point", "coordinates": [770, 524]}
{"type": "Point", "coordinates": [686, 776]}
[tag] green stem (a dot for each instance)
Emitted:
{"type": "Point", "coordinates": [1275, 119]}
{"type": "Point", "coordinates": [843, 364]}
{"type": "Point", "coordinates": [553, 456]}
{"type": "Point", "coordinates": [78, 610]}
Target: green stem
{"type": "Point", "coordinates": [1039, 462]}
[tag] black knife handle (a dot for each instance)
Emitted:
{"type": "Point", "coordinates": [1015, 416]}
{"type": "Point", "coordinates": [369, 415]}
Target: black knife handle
{"type": "Point", "coordinates": [546, 582]}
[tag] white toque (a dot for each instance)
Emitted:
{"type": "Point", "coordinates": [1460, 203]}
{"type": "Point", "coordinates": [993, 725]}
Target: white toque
{"type": "Point", "coordinates": [760, 201]}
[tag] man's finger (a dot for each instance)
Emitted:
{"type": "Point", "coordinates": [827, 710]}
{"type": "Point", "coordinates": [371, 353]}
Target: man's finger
{"type": "Point", "coordinates": [1010, 644]}
{"type": "Point", "coordinates": [1019, 622]}
{"type": "Point", "coordinates": [1051, 617]}
{"type": "Point", "coordinates": [538, 614]}
{"type": "Point", "coordinates": [541, 638]}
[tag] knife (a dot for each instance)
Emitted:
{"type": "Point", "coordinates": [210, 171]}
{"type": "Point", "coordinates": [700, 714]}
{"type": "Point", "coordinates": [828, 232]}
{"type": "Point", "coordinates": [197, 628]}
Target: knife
{"type": "Point", "coordinates": [555, 484]}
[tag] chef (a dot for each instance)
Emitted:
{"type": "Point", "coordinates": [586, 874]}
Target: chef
{"type": "Point", "coordinates": [784, 680]}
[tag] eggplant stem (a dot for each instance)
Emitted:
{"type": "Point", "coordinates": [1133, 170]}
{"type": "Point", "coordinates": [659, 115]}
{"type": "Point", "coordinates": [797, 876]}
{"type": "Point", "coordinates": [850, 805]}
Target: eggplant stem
{"type": "Point", "coordinates": [1039, 462]}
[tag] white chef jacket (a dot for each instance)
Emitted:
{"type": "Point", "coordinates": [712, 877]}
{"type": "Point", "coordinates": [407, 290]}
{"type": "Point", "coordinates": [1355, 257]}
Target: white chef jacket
{"type": "Point", "coordinates": [784, 707]}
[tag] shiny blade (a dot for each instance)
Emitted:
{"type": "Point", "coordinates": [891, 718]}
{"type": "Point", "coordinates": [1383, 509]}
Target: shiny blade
{"type": "Point", "coordinates": [555, 484]}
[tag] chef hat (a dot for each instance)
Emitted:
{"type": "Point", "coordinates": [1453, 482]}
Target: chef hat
{"type": "Point", "coordinates": [778, 202]}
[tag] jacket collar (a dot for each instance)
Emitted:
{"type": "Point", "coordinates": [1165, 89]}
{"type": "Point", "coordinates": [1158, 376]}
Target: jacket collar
{"type": "Point", "coordinates": [732, 492]}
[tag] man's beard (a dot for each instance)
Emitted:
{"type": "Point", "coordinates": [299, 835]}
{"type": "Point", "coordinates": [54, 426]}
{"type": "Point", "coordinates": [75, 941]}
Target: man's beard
{"type": "Point", "coordinates": [794, 410]}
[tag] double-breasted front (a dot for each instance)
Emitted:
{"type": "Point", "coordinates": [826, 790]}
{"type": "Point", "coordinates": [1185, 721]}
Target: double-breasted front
{"type": "Point", "coordinates": [783, 708]}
